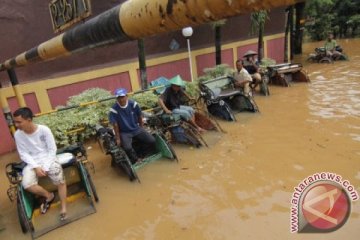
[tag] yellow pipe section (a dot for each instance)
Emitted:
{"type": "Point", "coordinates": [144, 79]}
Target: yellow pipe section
{"type": "Point", "coordinates": [19, 96]}
{"type": "Point", "coordinates": [7, 113]}
{"type": "Point", "coordinates": [141, 18]}
{"type": "Point", "coordinates": [135, 19]}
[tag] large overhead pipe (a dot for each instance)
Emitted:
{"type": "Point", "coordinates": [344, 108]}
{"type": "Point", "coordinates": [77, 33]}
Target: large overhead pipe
{"type": "Point", "coordinates": [136, 19]}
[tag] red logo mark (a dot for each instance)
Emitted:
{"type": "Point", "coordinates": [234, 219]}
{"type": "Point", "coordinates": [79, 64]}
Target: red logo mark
{"type": "Point", "coordinates": [326, 207]}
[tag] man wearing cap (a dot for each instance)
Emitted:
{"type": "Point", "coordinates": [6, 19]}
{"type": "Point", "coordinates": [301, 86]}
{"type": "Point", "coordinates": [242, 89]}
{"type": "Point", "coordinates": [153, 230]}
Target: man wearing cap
{"type": "Point", "coordinates": [172, 101]}
{"type": "Point", "coordinates": [126, 117]}
{"type": "Point", "coordinates": [242, 78]}
{"type": "Point", "coordinates": [250, 64]}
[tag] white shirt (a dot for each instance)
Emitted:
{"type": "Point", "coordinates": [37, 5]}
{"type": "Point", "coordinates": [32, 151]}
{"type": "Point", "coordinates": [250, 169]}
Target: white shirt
{"type": "Point", "coordinates": [242, 75]}
{"type": "Point", "coordinates": [37, 149]}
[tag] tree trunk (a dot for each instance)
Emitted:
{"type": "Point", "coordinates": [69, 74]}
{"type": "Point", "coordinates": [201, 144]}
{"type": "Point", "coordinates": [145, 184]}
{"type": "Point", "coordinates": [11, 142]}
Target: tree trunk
{"type": "Point", "coordinates": [299, 27]}
{"type": "Point", "coordinates": [218, 45]}
{"type": "Point", "coordinates": [292, 33]}
{"type": "Point", "coordinates": [261, 42]}
{"type": "Point", "coordinates": [287, 30]}
{"type": "Point", "coordinates": [142, 64]}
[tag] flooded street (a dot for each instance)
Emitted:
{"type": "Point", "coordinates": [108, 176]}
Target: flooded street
{"type": "Point", "coordinates": [241, 186]}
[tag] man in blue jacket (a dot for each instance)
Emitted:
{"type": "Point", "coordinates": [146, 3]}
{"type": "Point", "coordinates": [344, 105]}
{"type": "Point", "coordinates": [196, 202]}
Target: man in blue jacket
{"type": "Point", "coordinates": [126, 117]}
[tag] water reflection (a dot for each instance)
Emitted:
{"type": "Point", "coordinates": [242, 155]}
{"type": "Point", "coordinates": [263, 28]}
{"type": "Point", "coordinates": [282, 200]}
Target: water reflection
{"type": "Point", "coordinates": [335, 92]}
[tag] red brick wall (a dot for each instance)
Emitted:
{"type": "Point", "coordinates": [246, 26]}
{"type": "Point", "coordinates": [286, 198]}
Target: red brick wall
{"type": "Point", "coordinates": [169, 70]}
{"type": "Point", "coordinates": [275, 49]}
{"type": "Point", "coordinates": [243, 49]}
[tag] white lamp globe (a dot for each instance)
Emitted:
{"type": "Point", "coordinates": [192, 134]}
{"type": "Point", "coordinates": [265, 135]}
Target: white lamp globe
{"type": "Point", "coordinates": [187, 32]}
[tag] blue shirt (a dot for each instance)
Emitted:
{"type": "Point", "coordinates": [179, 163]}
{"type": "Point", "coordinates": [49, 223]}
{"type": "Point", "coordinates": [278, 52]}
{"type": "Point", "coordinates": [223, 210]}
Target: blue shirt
{"type": "Point", "coordinates": [126, 117]}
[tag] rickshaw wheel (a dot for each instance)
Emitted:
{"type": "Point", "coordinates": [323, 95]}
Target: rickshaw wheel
{"type": "Point", "coordinates": [230, 112]}
{"type": "Point", "coordinates": [92, 185]}
{"type": "Point", "coordinates": [172, 151]}
{"type": "Point", "coordinates": [325, 60]}
{"type": "Point", "coordinates": [243, 103]}
{"type": "Point", "coordinates": [264, 89]}
{"type": "Point", "coordinates": [129, 171]}
{"type": "Point", "coordinates": [169, 146]}
{"type": "Point", "coordinates": [24, 223]}
{"type": "Point", "coordinates": [192, 134]}
{"type": "Point", "coordinates": [113, 164]}
{"type": "Point", "coordinates": [221, 110]}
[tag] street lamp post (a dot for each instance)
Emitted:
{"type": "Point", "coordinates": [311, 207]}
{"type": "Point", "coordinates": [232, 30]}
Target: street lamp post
{"type": "Point", "coordinates": [187, 33]}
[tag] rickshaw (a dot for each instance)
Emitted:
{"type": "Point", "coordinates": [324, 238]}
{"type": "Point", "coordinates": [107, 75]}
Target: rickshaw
{"type": "Point", "coordinates": [172, 126]}
{"type": "Point", "coordinates": [222, 98]}
{"type": "Point", "coordinates": [119, 158]}
{"type": "Point", "coordinates": [81, 192]}
{"type": "Point", "coordinates": [263, 85]}
{"type": "Point", "coordinates": [286, 73]}
{"type": "Point", "coordinates": [320, 55]}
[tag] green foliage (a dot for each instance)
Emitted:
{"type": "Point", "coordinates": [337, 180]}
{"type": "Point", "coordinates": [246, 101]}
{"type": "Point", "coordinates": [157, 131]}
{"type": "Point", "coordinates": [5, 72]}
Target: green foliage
{"type": "Point", "coordinates": [63, 121]}
{"type": "Point", "coordinates": [265, 62]}
{"type": "Point", "coordinates": [354, 23]}
{"type": "Point", "coordinates": [321, 11]}
{"type": "Point", "coordinates": [335, 16]}
{"type": "Point", "coordinates": [258, 20]}
{"type": "Point", "coordinates": [217, 71]}
{"type": "Point", "coordinates": [146, 99]}
{"type": "Point", "coordinates": [192, 89]}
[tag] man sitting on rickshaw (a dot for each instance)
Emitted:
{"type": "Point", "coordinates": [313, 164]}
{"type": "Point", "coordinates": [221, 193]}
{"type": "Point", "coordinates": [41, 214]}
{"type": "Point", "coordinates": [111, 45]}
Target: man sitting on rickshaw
{"type": "Point", "coordinates": [172, 101]}
{"type": "Point", "coordinates": [251, 65]}
{"type": "Point", "coordinates": [242, 79]}
{"type": "Point", "coordinates": [36, 147]}
{"type": "Point", "coordinates": [126, 117]}
{"type": "Point", "coordinates": [330, 47]}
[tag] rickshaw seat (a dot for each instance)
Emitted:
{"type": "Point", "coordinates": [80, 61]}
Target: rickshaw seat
{"type": "Point", "coordinates": [65, 159]}
{"type": "Point", "coordinates": [228, 93]}
{"type": "Point", "coordinates": [71, 172]}
{"type": "Point", "coordinates": [221, 87]}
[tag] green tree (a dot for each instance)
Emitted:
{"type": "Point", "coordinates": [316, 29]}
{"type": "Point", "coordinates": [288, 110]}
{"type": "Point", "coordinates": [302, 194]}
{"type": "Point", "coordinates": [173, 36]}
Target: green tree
{"type": "Point", "coordinates": [343, 10]}
{"type": "Point", "coordinates": [321, 10]}
{"type": "Point", "coordinates": [354, 23]}
{"type": "Point", "coordinates": [337, 16]}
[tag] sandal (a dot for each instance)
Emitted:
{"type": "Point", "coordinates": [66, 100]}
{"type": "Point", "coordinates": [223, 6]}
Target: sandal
{"type": "Point", "coordinates": [63, 216]}
{"type": "Point", "coordinates": [46, 205]}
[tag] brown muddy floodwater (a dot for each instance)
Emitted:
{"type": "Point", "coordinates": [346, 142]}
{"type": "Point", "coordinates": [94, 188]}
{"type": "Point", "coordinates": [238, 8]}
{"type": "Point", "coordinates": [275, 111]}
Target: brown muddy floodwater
{"type": "Point", "coordinates": [241, 186]}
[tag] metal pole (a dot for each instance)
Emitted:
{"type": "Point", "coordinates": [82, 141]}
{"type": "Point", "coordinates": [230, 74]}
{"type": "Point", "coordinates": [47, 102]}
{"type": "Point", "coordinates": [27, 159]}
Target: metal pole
{"type": "Point", "coordinates": [190, 62]}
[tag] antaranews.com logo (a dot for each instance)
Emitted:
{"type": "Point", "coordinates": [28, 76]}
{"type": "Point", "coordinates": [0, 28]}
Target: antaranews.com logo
{"type": "Point", "coordinates": [321, 203]}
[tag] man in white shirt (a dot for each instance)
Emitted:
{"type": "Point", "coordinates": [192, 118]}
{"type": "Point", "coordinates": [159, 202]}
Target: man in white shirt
{"type": "Point", "coordinates": [242, 78]}
{"type": "Point", "coordinates": [36, 147]}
